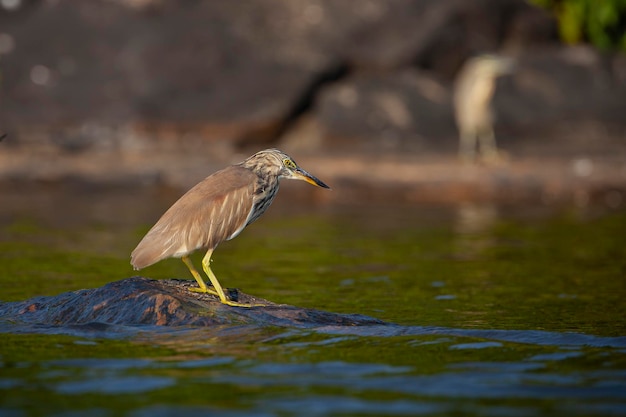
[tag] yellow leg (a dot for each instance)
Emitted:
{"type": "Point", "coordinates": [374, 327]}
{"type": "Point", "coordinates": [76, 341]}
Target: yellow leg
{"type": "Point", "coordinates": [203, 288]}
{"type": "Point", "coordinates": [206, 266]}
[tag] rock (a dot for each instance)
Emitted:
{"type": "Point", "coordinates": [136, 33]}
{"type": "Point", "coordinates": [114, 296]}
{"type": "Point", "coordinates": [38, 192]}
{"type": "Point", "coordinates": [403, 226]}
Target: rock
{"type": "Point", "coordinates": [141, 301]}
{"type": "Point", "coordinates": [161, 89]}
{"type": "Point", "coordinates": [558, 93]}
{"type": "Point", "coordinates": [121, 75]}
{"type": "Point", "coordinates": [163, 73]}
{"type": "Point", "coordinates": [439, 35]}
{"type": "Point", "coordinates": [399, 112]}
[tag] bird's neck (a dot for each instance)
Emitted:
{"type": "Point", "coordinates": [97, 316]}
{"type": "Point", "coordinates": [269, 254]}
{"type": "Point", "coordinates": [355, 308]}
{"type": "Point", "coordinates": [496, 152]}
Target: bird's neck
{"type": "Point", "coordinates": [264, 193]}
{"type": "Point", "coordinates": [265, 183]}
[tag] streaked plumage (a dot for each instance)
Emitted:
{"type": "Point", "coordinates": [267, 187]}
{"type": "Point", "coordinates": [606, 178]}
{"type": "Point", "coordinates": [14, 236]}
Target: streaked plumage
{"type": "Point", "coordinates": [217, 209]}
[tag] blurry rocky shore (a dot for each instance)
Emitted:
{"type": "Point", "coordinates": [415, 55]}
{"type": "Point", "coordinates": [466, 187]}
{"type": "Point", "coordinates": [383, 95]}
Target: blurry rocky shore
{"type": "Point", "coordinates": [357, 91]}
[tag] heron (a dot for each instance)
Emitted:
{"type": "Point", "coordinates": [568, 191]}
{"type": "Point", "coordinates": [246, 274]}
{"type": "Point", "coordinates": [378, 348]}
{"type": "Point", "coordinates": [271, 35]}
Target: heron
{"type": "Point", "coordinates": [217, 209]}
{"type": "Point", "coordinates": [473, 93]}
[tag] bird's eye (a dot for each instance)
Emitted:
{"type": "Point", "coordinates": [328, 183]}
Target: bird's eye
{"type": "Point", "coordinates": [289, 163]}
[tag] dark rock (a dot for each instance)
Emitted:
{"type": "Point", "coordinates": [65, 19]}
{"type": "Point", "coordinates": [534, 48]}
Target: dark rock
{"type": "Point", "coordinates": [439, 35]}
{"type": "Point", "coordinates": [220, 69]}
{"type": "Point", "coordinates": [141, 301]}
{"type": "Point", "coordinates": [161, 89]}
{"type": "Point", "coordinates": [110, 74]}
{"type": "Point", "coordinates": [557, 93]}
{"type": "Point", "coordinates": [398, 112]}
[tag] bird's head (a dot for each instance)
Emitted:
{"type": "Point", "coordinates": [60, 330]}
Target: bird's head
{"type": "Point", "coordinates": [278, 163]}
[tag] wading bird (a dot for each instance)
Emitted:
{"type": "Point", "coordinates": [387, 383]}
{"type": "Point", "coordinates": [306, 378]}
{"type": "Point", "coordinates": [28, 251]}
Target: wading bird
{"type": "Point", "coordinates": [218, 209]}
{"type": "Point", "coordinates": [473, 92]}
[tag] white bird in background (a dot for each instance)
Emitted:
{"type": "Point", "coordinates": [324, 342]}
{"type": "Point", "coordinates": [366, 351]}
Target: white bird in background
{"type": "Point", "coordinates": [473, 92]}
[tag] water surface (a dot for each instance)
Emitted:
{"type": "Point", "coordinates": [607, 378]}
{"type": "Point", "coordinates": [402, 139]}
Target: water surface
{"type": "Point", "coordinates": [498, 311]}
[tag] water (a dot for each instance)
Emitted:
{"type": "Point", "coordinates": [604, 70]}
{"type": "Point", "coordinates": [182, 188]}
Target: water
{"type": "Point", "coordinates": [499, 311]}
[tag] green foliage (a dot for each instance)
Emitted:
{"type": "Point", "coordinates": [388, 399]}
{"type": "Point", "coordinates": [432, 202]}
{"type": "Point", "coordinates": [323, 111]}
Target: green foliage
{"type": "Point", "coordinates": [600, 22]}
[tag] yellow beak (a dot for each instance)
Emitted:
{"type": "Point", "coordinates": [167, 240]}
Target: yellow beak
{"type": "Point", "coordinates": [301, 174]}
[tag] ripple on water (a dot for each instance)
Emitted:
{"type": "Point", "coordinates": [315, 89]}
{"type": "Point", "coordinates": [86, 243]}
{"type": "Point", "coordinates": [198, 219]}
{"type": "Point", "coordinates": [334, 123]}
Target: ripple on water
{"type": "Point", "coordinates": [114, 385]}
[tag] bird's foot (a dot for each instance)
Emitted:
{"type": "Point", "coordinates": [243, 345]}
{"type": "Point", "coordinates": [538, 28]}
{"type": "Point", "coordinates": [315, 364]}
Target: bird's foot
{"type": "Point", "coordinates": [225, 300]}
{"type": "Point", "coordinates": [204, 290]}
{"type": "Point", "coordinates": [231, 298]}
{"type": "Point", "coordinates": [237, 304]}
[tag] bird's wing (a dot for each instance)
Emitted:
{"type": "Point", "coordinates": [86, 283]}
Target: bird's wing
{"type": "Point", "coordinates": [214, 210]}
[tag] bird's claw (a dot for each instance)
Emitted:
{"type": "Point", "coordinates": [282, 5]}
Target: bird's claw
{"type": "Point", "coordinates": [223, 301]}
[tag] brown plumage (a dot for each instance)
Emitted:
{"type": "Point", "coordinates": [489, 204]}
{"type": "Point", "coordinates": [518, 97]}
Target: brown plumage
{"type": "Point", "coordinates": [217, 209]}
{"type": "Point", "coordinates": [219, 205]}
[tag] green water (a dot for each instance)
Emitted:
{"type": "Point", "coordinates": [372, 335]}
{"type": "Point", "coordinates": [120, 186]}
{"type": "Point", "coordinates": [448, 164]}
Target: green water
{"type": "Point", "coordinates": [500, 311]}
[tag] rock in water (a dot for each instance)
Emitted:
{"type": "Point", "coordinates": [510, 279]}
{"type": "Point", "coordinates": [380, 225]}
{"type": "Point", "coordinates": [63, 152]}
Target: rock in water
{"type": "Point", "coordinates": [141, 301]}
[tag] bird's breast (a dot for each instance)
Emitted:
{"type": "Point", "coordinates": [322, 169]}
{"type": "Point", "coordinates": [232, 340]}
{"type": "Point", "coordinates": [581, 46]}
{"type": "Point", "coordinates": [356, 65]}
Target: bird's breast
{"type": "Point", "coordinates": [262, 200]}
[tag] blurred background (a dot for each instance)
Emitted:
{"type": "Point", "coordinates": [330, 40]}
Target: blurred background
{"type": "Point", "coordinates": [476, 151]}
{"type": "Point", "coordinates": [361, 93]}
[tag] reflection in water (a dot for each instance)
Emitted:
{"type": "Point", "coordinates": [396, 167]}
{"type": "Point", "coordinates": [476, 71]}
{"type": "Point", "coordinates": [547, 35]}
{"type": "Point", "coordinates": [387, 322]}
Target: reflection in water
{"type": "Point", "coordinates": [473, 226]}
